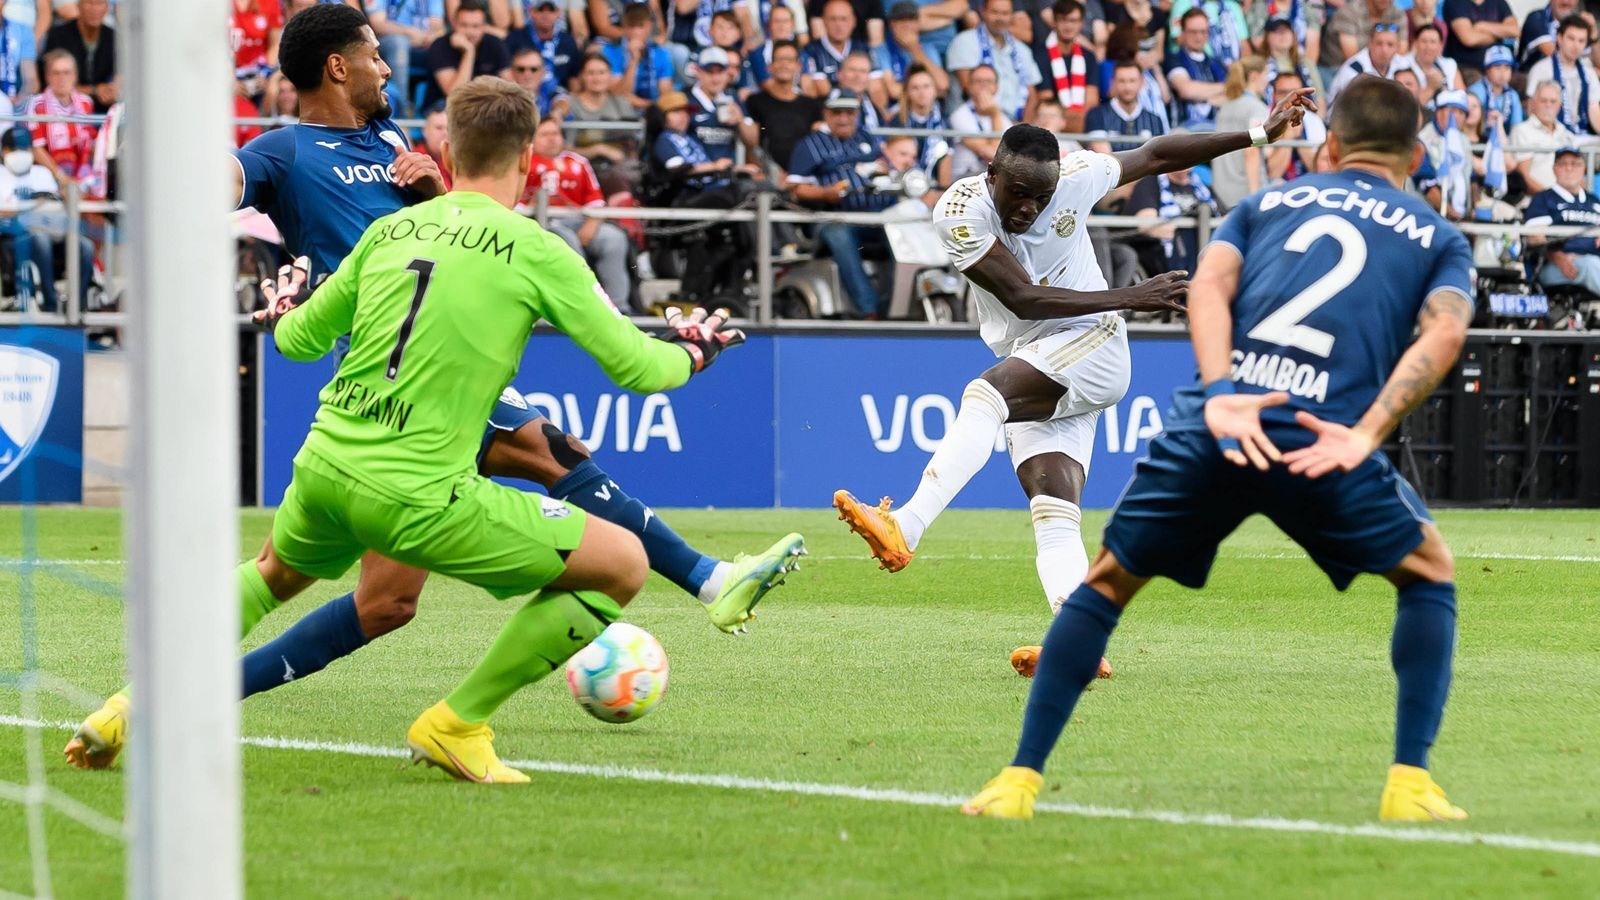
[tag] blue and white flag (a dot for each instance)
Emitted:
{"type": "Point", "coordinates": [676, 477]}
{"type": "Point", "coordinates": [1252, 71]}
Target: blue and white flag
{"type": "Point", "coordinates": [1494, 161]}
{"type": "Point", "coordinates": [1455, 172]}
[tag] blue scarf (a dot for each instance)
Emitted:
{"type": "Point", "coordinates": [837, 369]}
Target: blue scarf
{"type": "Point", "coordinates": [1582, 125]}
{"type": "Point", "coordinates": [1219, 75]}
{"type": "Point", "coordinates": [986, 58]}
{"type": "Point", "coordinates": [1169, 202]}
{"type": "Point", "coordinates": [926, 146]}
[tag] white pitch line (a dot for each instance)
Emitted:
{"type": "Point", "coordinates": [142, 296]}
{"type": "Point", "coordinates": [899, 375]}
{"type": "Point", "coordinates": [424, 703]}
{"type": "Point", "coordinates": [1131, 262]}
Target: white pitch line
{"type": "Point", "coordinates": [942, 801]}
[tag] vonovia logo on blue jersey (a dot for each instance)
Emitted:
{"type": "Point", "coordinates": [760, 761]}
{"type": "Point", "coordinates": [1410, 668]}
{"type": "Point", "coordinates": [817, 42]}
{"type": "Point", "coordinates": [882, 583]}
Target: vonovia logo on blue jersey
{"type": "Point", "coordinates": [27, 393]}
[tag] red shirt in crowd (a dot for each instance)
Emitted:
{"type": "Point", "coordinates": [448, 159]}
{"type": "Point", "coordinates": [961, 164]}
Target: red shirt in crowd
{"type": "Point", "coordinates": [422, 147]}
{"type": "Point", "coordinates": [568, 179]}
{"type": "Point", "coordinates": [250, 28]}
{"type": "Point", "coordinates": [244, 109]}
{"type": "Point", "coordinates": [70, 145]}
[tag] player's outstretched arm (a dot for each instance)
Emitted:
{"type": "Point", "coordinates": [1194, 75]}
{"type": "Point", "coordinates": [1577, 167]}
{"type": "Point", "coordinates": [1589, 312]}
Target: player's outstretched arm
{"type": "Point", "coordinates": [1442, 332]}
{"type": "Point", "coordinates": [1172, 152]}
{"type": "Point", "coordinates": [999, 273]}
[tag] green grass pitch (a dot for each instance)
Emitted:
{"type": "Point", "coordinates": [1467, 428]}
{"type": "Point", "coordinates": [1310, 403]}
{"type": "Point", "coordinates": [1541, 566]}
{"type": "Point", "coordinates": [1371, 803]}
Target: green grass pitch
{"type": "Point", "coordinates": [1267, 695]}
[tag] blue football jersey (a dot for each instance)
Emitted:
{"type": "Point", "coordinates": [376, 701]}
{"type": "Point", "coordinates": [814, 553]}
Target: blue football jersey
{"type": "Point", "coordinates": [1336, 269]}
{"type": "Point", "coordinates": [323, 186]}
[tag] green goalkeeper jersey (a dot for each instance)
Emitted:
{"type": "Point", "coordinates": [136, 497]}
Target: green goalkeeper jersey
{"type": "Point", "coordinates": [439, 300]}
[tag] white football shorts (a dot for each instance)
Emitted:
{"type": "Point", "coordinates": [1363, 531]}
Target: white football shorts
{"type": "Point", "coordinates": [1090, 359]}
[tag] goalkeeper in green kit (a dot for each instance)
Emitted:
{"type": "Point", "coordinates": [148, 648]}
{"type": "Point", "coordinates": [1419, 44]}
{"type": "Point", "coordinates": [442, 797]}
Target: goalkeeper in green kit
{"type": "Point", "coordinates": [439, 300]}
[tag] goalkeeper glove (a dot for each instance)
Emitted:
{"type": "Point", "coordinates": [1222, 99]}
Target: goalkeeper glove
{"type": "Point", "coordinates": [702, 336]}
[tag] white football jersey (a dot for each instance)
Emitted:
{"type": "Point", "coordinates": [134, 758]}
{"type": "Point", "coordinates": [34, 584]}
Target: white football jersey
{"type": "Point", "coordinates": [1055, 251]}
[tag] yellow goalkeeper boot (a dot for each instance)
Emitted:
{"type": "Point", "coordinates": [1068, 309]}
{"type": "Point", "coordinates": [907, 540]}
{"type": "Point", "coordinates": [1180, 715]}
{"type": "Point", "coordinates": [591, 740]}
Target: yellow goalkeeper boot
{"type": "Point", "coordinates": [877, 528]}
{"type": "Point", "coordinates": [463, 750]}
{"type": "Point", "coordinates": [1411, 796]}
{"type": "Point", "coordinates": [1009, 795]}
{"type": "Point", "coordinates": [99, 739]}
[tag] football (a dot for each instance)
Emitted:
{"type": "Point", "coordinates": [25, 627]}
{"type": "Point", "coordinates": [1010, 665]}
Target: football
{"type": "Point", "coordinates": [621, 675]}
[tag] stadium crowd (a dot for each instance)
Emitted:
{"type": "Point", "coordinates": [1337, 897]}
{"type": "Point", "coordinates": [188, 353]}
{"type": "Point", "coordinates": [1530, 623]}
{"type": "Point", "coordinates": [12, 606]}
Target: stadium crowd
{"type": "Point", "coordinates": [719, 99]}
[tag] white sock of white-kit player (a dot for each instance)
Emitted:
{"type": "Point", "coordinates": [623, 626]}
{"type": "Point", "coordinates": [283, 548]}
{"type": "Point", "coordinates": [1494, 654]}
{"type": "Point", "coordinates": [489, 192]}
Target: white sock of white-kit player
{"type": "Point", "coordinates": [1062, 561]}
{"type": "Point", "coordinates": [965, 449]}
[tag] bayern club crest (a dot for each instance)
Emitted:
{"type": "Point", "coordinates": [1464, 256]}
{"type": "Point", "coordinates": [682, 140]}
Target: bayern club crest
{"type": "Point", "coordinates": [28, 381]}
{"type": "Point", "coordinates": [1064, 223]}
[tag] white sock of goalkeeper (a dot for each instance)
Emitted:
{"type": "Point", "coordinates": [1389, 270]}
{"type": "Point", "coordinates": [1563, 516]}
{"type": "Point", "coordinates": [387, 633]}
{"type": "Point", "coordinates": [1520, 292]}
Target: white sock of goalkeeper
{"type": "Point", "coordinates": [1062, 561]}
{"type": "Point", "coordinates": [963, 452]}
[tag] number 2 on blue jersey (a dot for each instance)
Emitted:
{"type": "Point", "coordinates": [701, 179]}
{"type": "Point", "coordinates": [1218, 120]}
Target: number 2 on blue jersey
{"type": "Point", "coordinates": [1283, 326]}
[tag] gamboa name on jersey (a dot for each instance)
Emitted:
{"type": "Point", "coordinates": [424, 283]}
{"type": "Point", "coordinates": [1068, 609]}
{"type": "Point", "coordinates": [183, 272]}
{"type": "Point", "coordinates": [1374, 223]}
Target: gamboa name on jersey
{"type": "Point", "coordinates": [1277, 372]}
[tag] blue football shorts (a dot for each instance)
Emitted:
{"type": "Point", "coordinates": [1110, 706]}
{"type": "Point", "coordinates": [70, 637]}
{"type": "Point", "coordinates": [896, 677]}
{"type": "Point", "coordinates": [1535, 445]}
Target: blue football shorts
{"type": "Point", "coordinates": [1185, 498]}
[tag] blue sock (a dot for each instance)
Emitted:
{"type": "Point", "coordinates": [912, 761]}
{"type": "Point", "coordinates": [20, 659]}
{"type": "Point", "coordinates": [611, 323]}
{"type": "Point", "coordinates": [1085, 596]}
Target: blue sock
{"type": "Point", "coordinates": [1424, 640]}
{"type": "Point", "coordinates": [1071, 656]}
{"type": "Point", "coordinates": [592, 490]}
{"type": "Point", "coordinates": [321, 636]}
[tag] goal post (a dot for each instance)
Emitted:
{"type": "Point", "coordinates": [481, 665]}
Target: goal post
{"type": "Point", "coordinates": [180, 519]}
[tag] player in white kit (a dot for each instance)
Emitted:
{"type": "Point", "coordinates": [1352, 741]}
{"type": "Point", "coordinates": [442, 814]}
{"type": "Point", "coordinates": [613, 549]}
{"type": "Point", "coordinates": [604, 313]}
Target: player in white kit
{"type": "Point", "coordinates": [1018, 233]}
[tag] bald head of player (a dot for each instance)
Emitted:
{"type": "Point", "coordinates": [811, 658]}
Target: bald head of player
{"type": "Point", "coordinates": [1374, 127]}
{"type": "Point", "coordinates": [1023, 175]}
{"type": "Point", "coordinates": [491, 125]}
{"type": "Point", "coordinates": [330, 54]}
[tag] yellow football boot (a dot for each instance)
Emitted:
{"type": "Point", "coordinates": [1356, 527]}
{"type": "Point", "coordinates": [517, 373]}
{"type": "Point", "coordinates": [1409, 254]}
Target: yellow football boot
{"type": "Point", "coordinates": [440, 738]}
{"type": "Point", "coordinates": [877, 527]}
{"type": "Point", "coordinates": [99, 739]}
{"type": "Point", "coordinates": [1026, 659]}
{"type": "Point", "coordinates": [1411, 796]}
{"type": "Point", "coordinates": [1009, 795]}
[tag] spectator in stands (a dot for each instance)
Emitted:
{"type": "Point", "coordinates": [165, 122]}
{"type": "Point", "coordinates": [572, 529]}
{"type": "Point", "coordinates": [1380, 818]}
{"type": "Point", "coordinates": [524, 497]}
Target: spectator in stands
{"type": "Point", "coordinates": [1052, 117]}
{"type": "Point", "coordinates": [992, 44]}
{"type": "Point", "coordinates": [856, 74]}
{"type": "Point", "coordinates": [404, 28]}
{"type": "Point", "coordinates": [569, 181]}
{"type": "Point", "coordinates": [546, 32]}
{"type": "Point", "coordinates": [1351, 26]}
{"type": "Point", "coordinates": [690, 21]}
{"type": "Point", "coordinates": [38, 233]}
{"type": "Point", "coordinates": [1574, 75]}
{"type": "Point", "coordinates": [93, 44]}
{"type": "Point", "coordinates": [1494, 90]}
{"type": "Point", "coordinates": [1074, 76]}
{"type": "Point", "coordinates": [980, 113]}
{"type": "Point", "coordinates": [1474, 26]}
{"type": "Point", "coordinates": [902, 52]}
{"type": "Point", "coordinates": [605, 19]}
{"type": "Point", "coordinates": [779, 116]}
{"type": "Point", "coordinates": [63, 148]}
{"type": "Point", "coordinates": [1121, 114]}
{"type": "Point", "coordinates": [1538, 39]}
{"type": "Point", "coordinates": [289, 9]}
{"type": "Point", "coordinates": [498, 22]}
{"type": "Point", "coordinates": [1242, 172]}
{"type": "Point", "coordinates": [714, 112]}
{"type": "Point", "coordinates": [25, 25]}
{"type": "Point", "coordinates": [1229, 36]}
{"type": "Point", "coordinates": [1197, 78]}
{"type": "Point", "coordinates": [1412, 82]}
{"type": "Point", "coordinates": [434, 131]}
{"type": "Point", "coordinates": [529, 71]}
{"type": "Point", "coordinates": [256, 26]}
{"type": "Point", "coordinates": [1432, 136]}
{"type": "Point", "coordinates": [1574, 260]}
{"type": "Point", "coordinates": [938, 21]}
{"type": "Point", "coordinates": [749, 69]}
{"type": "Point", "coordinates": [868, 29]}
{"type": "Point", "coordinates": [1439, 72]}
{"type": "Point", "coordinates": [1167, 197]}
{"type": "Point", "coordinates": [827, 51]}
{"type": "Point", "coordinates": [1381, 56]}
{"type": "Point", "coordinates": [825, 173]}
{"type": "Point", "coordinates": [465, 53]}
{"type": "Point", "coordinates": [1284, 54]}
{"type": "Point", "coordinates": [643, 69]}
{"type": "Point", "coordinates": [1288, 163]}
{"type": "Point", "coordinates": [594, 102]}
{"type": "Point", "coordinates": [1543, 131]}
{"type": "Point", "coordinates": [281, 99]}
{"type": "Point", "coordinates": [782, 25]}
{"type": "Point", "coordinates": [919, 108]}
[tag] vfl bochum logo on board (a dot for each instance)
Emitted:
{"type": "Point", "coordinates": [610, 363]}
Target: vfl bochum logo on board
{"type": "Point", "coordinates": [28, 381]}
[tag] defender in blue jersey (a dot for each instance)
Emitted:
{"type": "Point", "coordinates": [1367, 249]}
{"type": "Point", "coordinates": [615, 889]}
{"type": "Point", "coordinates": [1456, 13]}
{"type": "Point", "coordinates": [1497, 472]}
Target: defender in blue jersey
{"type": "Point", "coordinates": [1302, 314]}
{"type": "Point", "coordinates": [322, 182]}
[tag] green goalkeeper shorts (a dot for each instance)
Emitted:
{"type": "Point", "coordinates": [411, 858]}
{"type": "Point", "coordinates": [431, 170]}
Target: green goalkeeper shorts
{"type": "Point", "coordinates": [506, 541]}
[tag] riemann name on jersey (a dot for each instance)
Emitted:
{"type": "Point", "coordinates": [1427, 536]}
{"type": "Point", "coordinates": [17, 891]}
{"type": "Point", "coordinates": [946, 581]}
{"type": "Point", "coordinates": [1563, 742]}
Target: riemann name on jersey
{"type": "Point", "coordinates": [1346, 200]}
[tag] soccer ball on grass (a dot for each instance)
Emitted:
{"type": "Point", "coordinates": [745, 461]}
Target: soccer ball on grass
{"type": "Point", "coordinates": [620, 676]}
